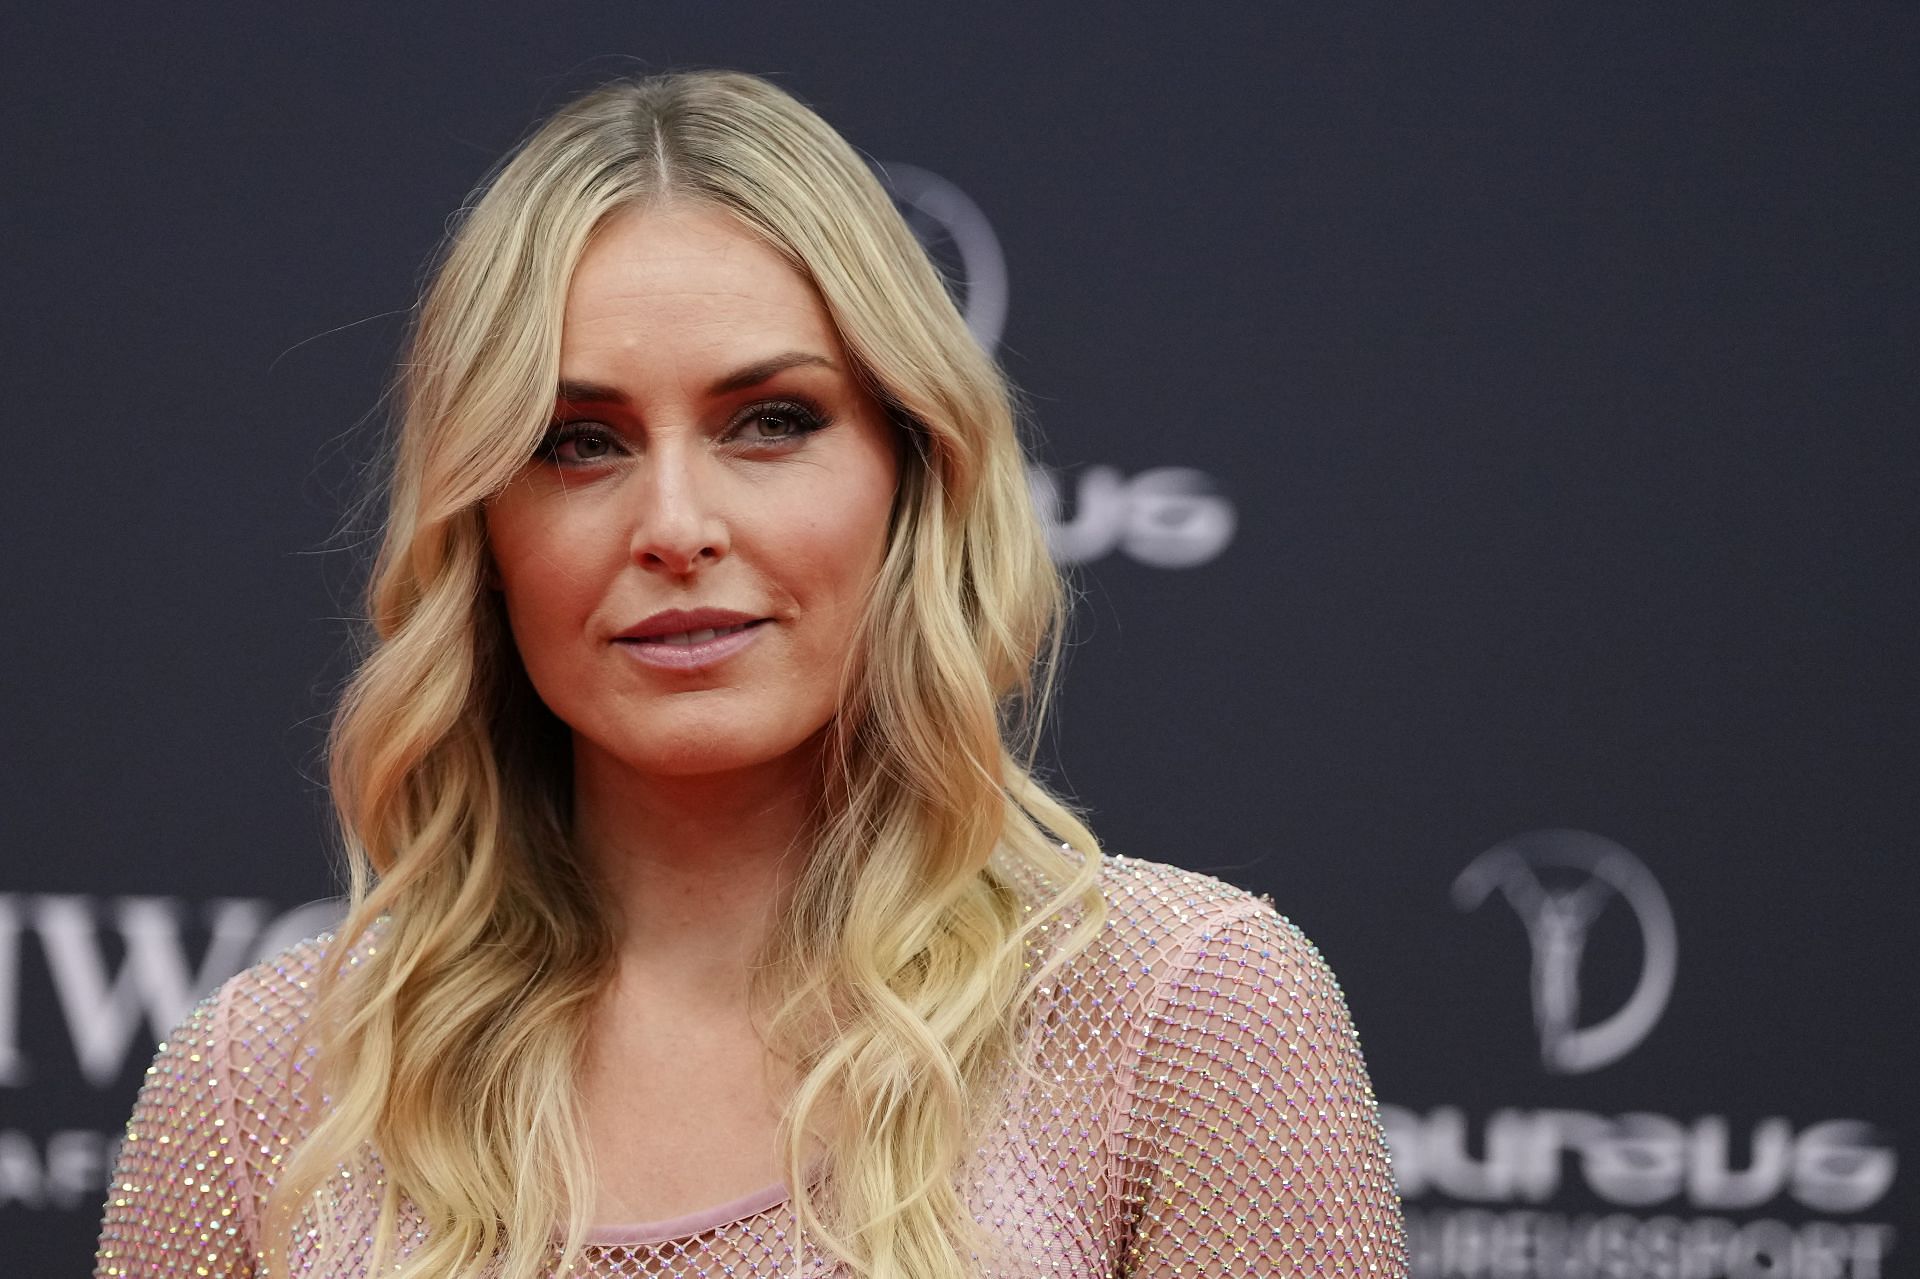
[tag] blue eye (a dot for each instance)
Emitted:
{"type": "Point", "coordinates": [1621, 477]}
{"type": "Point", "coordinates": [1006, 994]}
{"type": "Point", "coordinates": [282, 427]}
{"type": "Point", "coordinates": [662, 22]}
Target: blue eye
{"type": "Point", "coordinates": [575, 443]}
{"type": "Point", "coordinates": [776, 421]}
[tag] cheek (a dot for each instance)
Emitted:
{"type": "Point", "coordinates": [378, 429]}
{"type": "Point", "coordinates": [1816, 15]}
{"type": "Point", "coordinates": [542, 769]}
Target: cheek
{"type": "Point", "coordinates": [542, 569]}
{"type": "Point", "coordinates": [841, 540]}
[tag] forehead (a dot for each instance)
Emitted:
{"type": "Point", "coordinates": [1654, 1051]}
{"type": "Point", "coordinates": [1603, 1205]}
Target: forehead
{"type": "Point", "coordinates": [692, 281]}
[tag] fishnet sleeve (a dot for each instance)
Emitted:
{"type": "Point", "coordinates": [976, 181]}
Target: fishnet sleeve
{"type": "Point", "coordinates": [1251, 1143]}
{"type": "Point", "coordinates": [176, 1206]}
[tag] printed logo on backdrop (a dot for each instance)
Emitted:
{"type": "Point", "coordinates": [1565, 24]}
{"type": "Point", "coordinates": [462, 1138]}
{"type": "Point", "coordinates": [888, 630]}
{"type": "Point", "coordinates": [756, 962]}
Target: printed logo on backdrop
{"type": "Point", "coordinates": [961, 242]}
{"type": "Point", "coordinates": [1533, 1191]}
{"type": "Point", "coordinates": [1558, 882]}
{"type": "Point", "coordinates": [1169, 517]}
{"type": "Point", "coordinates": [118, 974]}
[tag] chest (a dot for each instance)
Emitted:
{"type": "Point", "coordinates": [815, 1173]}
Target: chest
{"type": "Point", "coordinates": [682, 1118]}
{"type": "Point", "coordinates": [680, 1115]}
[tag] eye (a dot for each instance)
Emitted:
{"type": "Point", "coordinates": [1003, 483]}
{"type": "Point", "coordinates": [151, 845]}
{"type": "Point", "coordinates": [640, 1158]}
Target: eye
{"type": "Point", "coordinates": [775, 421]}
{"type": "Point", "coordinates": [576, 443]}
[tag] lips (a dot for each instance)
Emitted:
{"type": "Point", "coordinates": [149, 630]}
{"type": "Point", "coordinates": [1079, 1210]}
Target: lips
{"type": "Point", "coordinates": [688, 626]}
{"type": "Point", "coordinates": [690, 638]}
{"type": "Point", "coordinates": [686, 640]}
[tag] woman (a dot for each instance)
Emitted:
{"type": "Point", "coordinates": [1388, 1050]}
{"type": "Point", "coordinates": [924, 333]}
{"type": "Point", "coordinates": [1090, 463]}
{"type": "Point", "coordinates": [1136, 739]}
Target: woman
{"type": "Point", "coordinates": [700, 880]}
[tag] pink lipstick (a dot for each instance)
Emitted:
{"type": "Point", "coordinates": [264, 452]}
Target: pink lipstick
{"type": "Point", "coordinates": [690, 640]}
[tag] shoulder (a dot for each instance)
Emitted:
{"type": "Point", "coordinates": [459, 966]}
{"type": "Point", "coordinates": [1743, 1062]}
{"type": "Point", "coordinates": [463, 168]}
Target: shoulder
{"type": "Point", "coordinates": [1170, 913]}
{"type": "Point", "coordinates": [1139, 886]}
{"type": "Point", "coordinates": [262, 1021]}
{"type": "Point", "coordinates": [1243, 1120]}
{"type": "Point", "coordinates": [275, 997]}
{"type": "Point", "coordinates": [225, 1094]}
{"type": "Point", "coordinates": [1209, 951]}
{"type": "Point", "coordinates": [229, 1041]}
{"type": "Point", "coordinates": [1195, 968]}
{"type": "Point", "coordinates": [1177, 946]}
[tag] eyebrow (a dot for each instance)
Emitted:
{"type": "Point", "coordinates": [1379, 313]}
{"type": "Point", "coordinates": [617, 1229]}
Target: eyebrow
{"type": "Point", "coordinates": [574, 391]}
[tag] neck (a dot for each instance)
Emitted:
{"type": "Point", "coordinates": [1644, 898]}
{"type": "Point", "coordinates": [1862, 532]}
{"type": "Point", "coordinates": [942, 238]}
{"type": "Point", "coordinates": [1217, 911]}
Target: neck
{"type": "Point", "coordinates": [699, 868]}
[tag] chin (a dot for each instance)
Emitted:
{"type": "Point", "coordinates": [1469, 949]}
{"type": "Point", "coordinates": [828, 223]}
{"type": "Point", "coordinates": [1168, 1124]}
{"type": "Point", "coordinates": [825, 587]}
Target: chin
{"type": "Point", "coordinates": [711, 750]}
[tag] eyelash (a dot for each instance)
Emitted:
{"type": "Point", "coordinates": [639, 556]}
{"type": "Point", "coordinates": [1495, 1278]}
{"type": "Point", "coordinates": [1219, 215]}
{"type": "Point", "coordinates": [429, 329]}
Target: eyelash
{"type": "Point", "coordinates": [802, 417]}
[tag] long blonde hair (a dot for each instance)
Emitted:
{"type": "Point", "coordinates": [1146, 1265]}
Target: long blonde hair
{"type": "Point", "coordinates": [451, 1016]}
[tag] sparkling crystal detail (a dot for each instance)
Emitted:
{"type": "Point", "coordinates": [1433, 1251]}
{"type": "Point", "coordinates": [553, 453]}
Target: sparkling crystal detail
{"type": "Point", "coordinates": [1193, 1103]}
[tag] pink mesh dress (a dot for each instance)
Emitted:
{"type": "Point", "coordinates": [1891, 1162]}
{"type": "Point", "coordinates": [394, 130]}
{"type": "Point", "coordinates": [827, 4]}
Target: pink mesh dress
{"type": "Point", "coordinates": [1199, 1107]}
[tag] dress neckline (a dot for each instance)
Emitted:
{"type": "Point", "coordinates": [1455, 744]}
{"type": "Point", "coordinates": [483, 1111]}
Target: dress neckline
{"type": "Point", "coordinates": [694, 1223]}
{"type": "Point", "coordinates": [636, 1234]}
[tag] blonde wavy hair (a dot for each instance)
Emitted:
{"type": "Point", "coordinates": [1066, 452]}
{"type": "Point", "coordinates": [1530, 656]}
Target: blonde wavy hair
{"type": "Point", "coordinates": [451, 1018]}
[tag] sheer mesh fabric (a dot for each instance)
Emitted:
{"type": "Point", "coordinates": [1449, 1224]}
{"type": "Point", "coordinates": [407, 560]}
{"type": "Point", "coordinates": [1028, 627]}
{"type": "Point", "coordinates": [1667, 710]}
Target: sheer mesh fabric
{"type": "Point", "coordinates": [1193, 1102]}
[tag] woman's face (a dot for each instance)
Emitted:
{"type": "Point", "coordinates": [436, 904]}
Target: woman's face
{"type": "Point", "coordinates": [686, 560]}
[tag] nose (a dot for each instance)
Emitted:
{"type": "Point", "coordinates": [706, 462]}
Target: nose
{"type": "Point", "coordinates": [678, 527]}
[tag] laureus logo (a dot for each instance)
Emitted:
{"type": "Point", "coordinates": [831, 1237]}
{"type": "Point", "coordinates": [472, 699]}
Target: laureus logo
{"type": "Point", "coordinates": [961, 242]}
{"type": "Point", "coordinates": [1558, 882]}
{"type": "Point", "coordinates": [1170, 517]}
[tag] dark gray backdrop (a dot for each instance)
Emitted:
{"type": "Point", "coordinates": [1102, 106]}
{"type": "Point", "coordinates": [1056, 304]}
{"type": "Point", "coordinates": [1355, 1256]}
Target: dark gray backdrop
{"type": "Point", "coordinates": [1539, 390]}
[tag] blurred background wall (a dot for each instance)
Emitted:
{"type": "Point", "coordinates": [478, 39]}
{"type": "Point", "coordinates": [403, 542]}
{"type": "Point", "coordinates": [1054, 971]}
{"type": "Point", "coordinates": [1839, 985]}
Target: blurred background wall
{"type": "Point", "coordinates": [1484, 436]}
